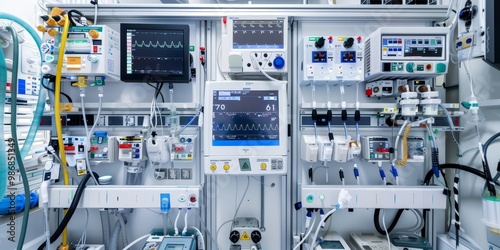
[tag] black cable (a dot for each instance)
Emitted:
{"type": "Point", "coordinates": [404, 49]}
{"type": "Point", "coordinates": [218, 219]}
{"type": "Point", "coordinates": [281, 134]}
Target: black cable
{"type": "Point", "coordinates": [157, 88]}
{"type": "Point", "coordinates": [376, 221]}
{"type": "Point", "coordinates": [474, 171]}
{"type": "Point", "coordinates": [71, 16]}
{"type": "Point", "coordinates": [70, 211]}
{"type": "Point", "coordinates": [62, 93]}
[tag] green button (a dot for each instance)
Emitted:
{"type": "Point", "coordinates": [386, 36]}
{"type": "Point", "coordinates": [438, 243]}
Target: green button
{"type": "Point", "coordinates": [191, 48]}
{"type": "Point", "coordinates": [310, 198]}
{"type": "Point", "coordinates": [409, 67]}
{"type": "Point", "coordinates": [440, 68]}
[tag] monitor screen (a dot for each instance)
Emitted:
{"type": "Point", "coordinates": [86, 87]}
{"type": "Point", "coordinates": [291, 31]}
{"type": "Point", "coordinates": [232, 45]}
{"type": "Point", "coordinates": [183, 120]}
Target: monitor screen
{"type": "Point", "coordinates": [155, 52]}
{"type": "Point", "coordinates": [331, 244]}
{"type": "Point", "coordinates": [258, 34]}
{"type": "Point", "coordinates": [245, 118]}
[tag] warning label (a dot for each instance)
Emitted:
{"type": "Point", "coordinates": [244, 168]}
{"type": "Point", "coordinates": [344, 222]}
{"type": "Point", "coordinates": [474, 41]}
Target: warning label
{"type": "Point", "coordinates": [245, 236]}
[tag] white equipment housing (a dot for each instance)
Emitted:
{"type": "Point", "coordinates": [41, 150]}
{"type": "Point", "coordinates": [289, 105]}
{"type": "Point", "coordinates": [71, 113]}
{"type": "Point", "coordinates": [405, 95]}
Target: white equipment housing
{"type": "Point", "coordinates": [91, 51]}
{"type": "Point", "coordinates": [253, 44]}
{"type": "Point", "coordinates": [406, 53]}
{"type": "Point", "coordinates": [330, 59]}
{"type": "Point", "coordinates": [247, 134]}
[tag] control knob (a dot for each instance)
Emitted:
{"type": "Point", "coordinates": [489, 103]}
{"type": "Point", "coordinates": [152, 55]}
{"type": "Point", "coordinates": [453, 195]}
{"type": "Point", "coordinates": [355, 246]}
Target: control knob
{"type": "Point", "coordinates": [234, 236]}
{"type": "Point", "coordinates": [348, 43]}
{"type": "Point", "coordinates": [320, 43]}
{"type": "Point", "coordinates": [256, 236]}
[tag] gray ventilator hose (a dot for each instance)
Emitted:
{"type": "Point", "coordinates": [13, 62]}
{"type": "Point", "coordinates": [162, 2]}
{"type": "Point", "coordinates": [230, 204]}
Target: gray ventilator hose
{"type": "Point", "coordinates": [106, 228]}
{"type": "Point", "coordinates": [114, 238]}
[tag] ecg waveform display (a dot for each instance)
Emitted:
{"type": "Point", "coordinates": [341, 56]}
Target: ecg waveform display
{"type": "Point", "coordinates": [245, 118]}
{"type": "Point", "coordinates": [155, 52]}
{"type": "Point", "coordinates": [258, 34]}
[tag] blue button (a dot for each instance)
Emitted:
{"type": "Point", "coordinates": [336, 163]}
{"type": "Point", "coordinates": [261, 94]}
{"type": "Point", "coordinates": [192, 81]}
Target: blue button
{"type": "Point", "coordinates": [469, 40]}
{"type": "Point", "coordinates": [279, 62]}
{"type": "Point", "coordinates": [459, 44]}
{"type": "Point", "coordinates": [400, 49]}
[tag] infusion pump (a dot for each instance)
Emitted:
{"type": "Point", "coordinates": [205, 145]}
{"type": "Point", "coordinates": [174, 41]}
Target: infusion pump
{"type": "Point", "coordinates": [91, 51]}
{"type": "Point", "coordinates": [250, 45]}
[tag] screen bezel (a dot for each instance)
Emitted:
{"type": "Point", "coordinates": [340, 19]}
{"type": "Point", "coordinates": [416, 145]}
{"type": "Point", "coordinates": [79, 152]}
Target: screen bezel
{"type": "Point", "coordinates": [267, 150]}
{"type": "Point", "coordinates": [166, 78]}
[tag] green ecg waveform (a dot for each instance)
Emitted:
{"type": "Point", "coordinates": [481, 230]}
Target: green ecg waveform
{"type": "Point", "coordinates": [157, 44]}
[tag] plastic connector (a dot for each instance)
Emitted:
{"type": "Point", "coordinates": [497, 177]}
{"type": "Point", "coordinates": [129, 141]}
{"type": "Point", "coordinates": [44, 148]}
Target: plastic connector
{"type": "Point", "coordinates": [315, 115]}
{"type": "Point", "coordinates": [394, 172]}
{"type": "Point", "coordinates": [382, 173]}
{"type": "Point", "coordinates": [329, 115]}
{"type": "Point", "coordinates": [322, 215]}
{"type": "Point", "coordinates": [344, 199]}
{"type": "Point", "coordinates": [344, 115]}
{"type": "Point", "coordinates": [308, 219]}
{"type": "Point", "coordinates": [357, 115]}
{"type": "Point", "coordinates": [356, 172]}
{"type": "Point", "coordinates": [341, 174]}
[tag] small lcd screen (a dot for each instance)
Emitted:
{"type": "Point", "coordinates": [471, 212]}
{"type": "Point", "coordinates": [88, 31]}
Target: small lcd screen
{"type": "Point", "coordinates": [174, 247]}
{"type": "Point", "coordinates": [245, 118]}
{"type": "Point", "coordinates": [258, 34]}
{"type": "Point", "coordinates": [319, 56]}
{"type": "Point", "coordinates": [332, 244]}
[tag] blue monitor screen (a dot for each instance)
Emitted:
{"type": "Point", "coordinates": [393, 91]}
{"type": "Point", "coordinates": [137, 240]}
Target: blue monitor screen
{"type": "Point", "coordinates": [245, 118]}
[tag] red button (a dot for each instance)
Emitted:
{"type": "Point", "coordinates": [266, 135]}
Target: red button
{"type": "Point", "coordinates": [428, 67]}
{"type": "Point", "coordinates": [125, 146]}
{"type": "Point", "coordinates": [369, 92]}
{"type": "Point", "coordinates": [224, 20]}
{"type": "Point", "coordinates": [94, 148]}
{"type": "Point", "coordinates": [69, 148]}
{"type": "Point", "coordinates": [192, 199]}
{"type": "Point", "coordinates": [383, 150]}
{"type": "Point", "coordinates": [95, 49]}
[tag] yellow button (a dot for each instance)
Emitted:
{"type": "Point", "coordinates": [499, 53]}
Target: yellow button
{"type": "Point", "coordinates": [263, 166]}
{"type": "Point", "coordinates": [226, 167]}
{"type": "Point", "coordinates": [94, 34]}
{"type": "Point", "coordinates": [213, 167]}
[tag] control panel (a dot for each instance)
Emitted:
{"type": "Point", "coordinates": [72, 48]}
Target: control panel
{"type": "Point", "coordinates": [91, 51]}
{"type": "Point", "coordinates": [416, 150]}
{"type": "Point", "coordinates": [246, 166]}
{"type": "Point", "coordinates": [245, 233]}
{"type": "Point", "coordinates": [375, 148]}
{"type": "Point", "coordinates": [74, 147]}
{"type": "Point", "coordinates": [157, 242]}
{"type": "Point", "coordinates": [406, 53]}
{"type": "Point", "coordinates": [251, 45]}
{"type": "Point", "coordinates": [102, 147]}
{"type": "Point", "coordinates": [130, 149]}
{"type": "Point", "coordinates": [183, 150]}
{"type": "Point", "coordinates": [371, 241]}
{"type": "Point", "coordinates": [471, 38]}
{"type": "Point", "coordinates": [330, 59]}
{"type": "Point", "coordinates": [382, 88]}
{"type": "Point", "coordinates": [28, 82]}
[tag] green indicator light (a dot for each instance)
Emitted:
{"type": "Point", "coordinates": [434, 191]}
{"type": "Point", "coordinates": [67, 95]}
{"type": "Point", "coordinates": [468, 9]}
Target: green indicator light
{"type": "Point", "coordinates": [191, 48]}
{"type": "Point", "coordinates": [310, 198]}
